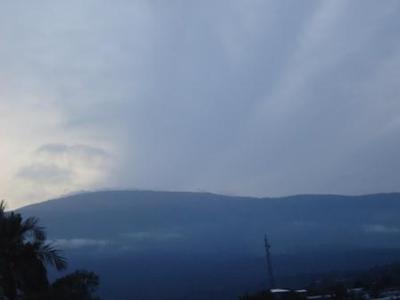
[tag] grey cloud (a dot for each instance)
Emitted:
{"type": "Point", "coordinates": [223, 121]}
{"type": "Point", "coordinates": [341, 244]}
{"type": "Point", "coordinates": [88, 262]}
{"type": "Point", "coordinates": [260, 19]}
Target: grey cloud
{"type": "Point", "coordinates": [287, 117]}
{"type": "Point", "coordinates": [62, 168]}
{"type": "Point", "coordinates": [80, 243]}
{"type": "Point", "coordinates": [152, 236]}
{"type": "Point", "coordinates": [85, 152]}
{"type": "Point", "coordinates": [382, 229]}
{"type": "Point", "coordinates": [45, 173]}
{"type": "Point", "coordinates": [241, 97]}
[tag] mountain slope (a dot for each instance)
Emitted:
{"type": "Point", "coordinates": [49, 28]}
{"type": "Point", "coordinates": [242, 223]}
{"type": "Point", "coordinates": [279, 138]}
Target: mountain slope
{"type": "Point", "coordinates": [216, 241]}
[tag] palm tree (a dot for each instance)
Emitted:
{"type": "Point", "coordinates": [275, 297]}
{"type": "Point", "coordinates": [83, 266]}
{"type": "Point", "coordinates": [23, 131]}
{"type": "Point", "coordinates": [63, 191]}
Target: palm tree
{"type": "Point", "coordinates": [24, 255]}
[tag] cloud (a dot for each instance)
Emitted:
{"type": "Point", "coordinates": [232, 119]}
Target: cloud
{"type": "Point", "coordinates": [152, 236]}
{"type": "Point", "coordinates": [62, 149]}
{"type": "Point", "coordinates": [42, 173]}
{"type": "Point", "coordinates": [381, 229]}
{"type": "Point", "coordinates": [125, 241]}
{"type": "Point", "coordinates": [60, 168]}
{"type": "Point", "coordinates": [233, 97]}
{"type": "Point", "coordinates": [89, 155]}
{"type": "Point", "coordinates": [80, 243]}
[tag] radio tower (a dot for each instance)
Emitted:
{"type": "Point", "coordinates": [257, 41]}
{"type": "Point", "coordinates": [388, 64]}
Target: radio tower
{"type": "Point", "coordinates": [269, 265]}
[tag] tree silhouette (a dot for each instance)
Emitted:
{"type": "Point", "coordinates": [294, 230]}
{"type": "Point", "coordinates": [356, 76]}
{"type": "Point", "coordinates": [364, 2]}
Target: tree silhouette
{"type": "Point", "coordinates": [24, 255]}
{"type": "Point", "coordinates": [80, 285]}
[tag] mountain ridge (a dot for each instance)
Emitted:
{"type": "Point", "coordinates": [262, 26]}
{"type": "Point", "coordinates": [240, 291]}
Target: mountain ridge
{"type": "Point", "coordinates": [306, 195]}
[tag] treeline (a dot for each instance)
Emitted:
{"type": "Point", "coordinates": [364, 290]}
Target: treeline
{"type": "Point", "coordinates": [25, 255]}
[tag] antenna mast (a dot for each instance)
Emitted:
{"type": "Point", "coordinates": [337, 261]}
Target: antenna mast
{"type": "Point", "coordinates": [269, 265]}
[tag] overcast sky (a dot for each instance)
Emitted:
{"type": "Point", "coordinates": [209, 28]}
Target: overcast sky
{"type": "Point", "coordinates": [263, 98]}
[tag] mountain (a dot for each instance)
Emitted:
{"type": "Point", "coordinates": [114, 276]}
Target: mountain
{"type": "Point", "coordinates": [175, 245]}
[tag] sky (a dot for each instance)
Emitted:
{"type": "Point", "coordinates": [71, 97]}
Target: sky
{"type": "Point", "coordinates": [260, 98]}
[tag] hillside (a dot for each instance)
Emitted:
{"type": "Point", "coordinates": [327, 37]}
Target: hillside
{"type": "Point", "coordinates": [212, 245]}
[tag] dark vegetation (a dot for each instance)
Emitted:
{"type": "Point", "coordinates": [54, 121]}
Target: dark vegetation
{"type": "Point", "coordinates": [25, 255]}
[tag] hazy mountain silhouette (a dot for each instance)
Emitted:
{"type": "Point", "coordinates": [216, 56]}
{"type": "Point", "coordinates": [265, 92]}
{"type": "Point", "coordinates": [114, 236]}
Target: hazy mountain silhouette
{"type": "Point", "coordinates": [173, 245]}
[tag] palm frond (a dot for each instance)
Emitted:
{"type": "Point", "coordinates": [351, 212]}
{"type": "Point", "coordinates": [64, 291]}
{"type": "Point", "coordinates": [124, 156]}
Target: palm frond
{"type": "Point", "coordinates": [52, 256]}
{"type": "Point", "coordinates": [31, 226]}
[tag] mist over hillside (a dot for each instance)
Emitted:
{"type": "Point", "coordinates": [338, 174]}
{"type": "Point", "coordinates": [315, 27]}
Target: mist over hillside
{"type": "Point", "coordinates": [207, 244]}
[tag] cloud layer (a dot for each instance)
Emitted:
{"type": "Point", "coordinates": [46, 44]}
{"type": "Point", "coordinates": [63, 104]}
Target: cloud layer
{"type": "Point", "coordinates": [245, 97]}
